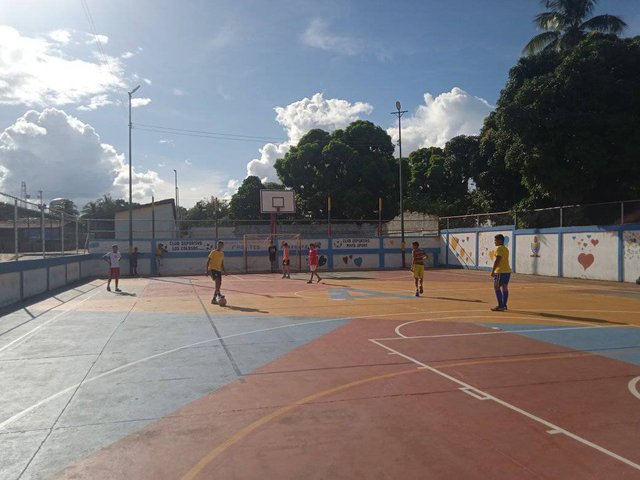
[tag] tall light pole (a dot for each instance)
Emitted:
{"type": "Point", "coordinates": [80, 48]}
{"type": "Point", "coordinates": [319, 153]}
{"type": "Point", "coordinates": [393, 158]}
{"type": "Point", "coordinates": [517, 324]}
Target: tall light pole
{"type": "Point", "coordinates": [175, 173]}
{"type": "Point", "coordinates": [130, 181]}
{"type": "Point", "coordinates": [399, 114]}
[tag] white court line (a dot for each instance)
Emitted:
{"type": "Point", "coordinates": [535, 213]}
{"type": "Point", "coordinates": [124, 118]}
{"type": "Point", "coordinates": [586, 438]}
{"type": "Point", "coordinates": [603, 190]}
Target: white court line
{"type": "Point", "coordinates": [399, 327]}
{"type": "Point", "coordinates": [19, 340]}
{"type": "Point", "coordinates": [633, 387]}
{"type": "Point", "coordinates": [487, 396]}
{"type": "Point", "coordinates": [19, 415]}
{"type": "Point", "coordinates": [493, 332]}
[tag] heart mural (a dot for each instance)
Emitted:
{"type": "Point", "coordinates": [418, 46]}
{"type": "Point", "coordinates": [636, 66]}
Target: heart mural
{"type": "Point", "coordinates": [492, 255]}
{"type": "Point", "coordinates": [586, 260]}
{"type": "Point", "coordinates": [358, 261]}
{"type": "Point", "coordinates": [345, 260]}
{"type": "Point", "coordinates": [595, 242]}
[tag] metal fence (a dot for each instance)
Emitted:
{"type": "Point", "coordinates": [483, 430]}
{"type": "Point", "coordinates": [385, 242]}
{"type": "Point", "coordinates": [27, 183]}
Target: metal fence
{"type": "Point", "coordinates": [31, 230]}
{"type": "Point", "coordinates": [606, 213]}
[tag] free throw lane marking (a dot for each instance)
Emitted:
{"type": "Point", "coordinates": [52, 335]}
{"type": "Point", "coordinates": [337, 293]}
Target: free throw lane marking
{"type": "Point", "coordinates": [488, 396]}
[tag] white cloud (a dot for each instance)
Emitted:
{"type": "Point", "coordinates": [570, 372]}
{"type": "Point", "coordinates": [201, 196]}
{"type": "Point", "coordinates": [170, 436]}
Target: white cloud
{"type": "Point", "coordinates": [34, 72]}
{"type": "Point", "coordinates": [300, 117]}
{"type": "Point", "coordinates": [442, 118]}
{"type": "Point", "coordinates": [188, 162]}
{"type": "Point", "coordinates": [60, 36]}
{"type": "Point", "coordinates": [96, 102]}
{"type": "Point", "coordinates": [316, 112]}
{"type": "Point", "coordinates": [103, 39]}
{"type": "Point", "coordinates": [147, 81]}
{"type": "Point", "coordinates": [317, 35]}
{"type": "Point", "coordinates": [177, 92]}
{"type": "Point", "coordinates": [140, 102]}
{"type": "Point", "coordinates": [59, 154]}
{"type": "Point", "coordinates": [166, 141]}
{"type": "Point", "coordinates": [127, 55]}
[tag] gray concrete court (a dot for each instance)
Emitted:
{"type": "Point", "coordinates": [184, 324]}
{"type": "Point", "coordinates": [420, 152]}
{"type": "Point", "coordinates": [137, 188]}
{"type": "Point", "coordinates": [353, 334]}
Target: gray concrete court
{"type": "Point", "coordinates": [86, 368]}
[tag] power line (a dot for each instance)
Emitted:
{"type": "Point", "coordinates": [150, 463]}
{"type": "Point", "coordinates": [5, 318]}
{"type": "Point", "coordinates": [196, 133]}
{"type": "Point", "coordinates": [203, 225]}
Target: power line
{"type": "Point", "coordinates": [209, 136]}
{"type": "Point", "coordinates": [253, 137]}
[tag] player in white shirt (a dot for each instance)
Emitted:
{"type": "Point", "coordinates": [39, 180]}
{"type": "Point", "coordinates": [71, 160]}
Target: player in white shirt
{"type": "Point", "coordinates": [113, 259]}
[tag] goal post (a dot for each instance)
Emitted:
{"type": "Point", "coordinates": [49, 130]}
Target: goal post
{"type": "Point", "coordinates": [256, 251]}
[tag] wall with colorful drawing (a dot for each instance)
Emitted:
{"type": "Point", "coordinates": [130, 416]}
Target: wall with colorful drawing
{"type": "Point", "coordinates": [592, 255]}
{"type": "Point", "coordinates": [599, 253]}
{"type": "Point", "coordinates": [462, 249]}
{"type": "Point", "coordinates": [631, 255]}
{"type": "Point", "coordinates": [393, 252]}
{"type": "Point", "coordinates": [537, 254]}
{"type": "Point", "coordinates": [487, 246]}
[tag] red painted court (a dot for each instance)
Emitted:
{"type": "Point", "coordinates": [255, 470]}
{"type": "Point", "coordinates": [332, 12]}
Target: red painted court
{"type": "Point", "coordinates": [363, 380]}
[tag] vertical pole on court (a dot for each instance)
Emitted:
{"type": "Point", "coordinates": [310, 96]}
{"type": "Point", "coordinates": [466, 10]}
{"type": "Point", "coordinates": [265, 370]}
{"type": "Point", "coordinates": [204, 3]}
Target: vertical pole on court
{"type": "Point", "coordinates": [15, 228]}
{"type": "Point", "coordinates": [329, 215]}
{"type": "Point", "coordinates": [244, 249]}
{"type": "Point", "coordinates": [77, 235]}
{"type": "Point", "coordinates": [621, 213]}
{"type": "Point", "coordinates": [42, 227]}
{"type": "Point", "coordinates": [561, 219]}
{"type": "Point", "coordinates": [153, 219]}
{"type": "Point", "coordinates": [62, 232]}
{"type": "Point", "coordinates": [379, 216]}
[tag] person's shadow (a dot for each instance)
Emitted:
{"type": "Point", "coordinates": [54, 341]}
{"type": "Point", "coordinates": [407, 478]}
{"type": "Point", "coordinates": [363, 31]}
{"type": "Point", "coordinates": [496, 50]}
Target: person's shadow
{"type": "Point", "coordinates": [244, 309]}
{"type": "Point", "coordinates": [126, 294]}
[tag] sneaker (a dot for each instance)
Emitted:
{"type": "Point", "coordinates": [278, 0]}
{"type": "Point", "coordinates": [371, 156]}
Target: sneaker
{"type": "Point", "coordinates": [421, 289]}
{"type": "Point", "coordinates": [417, 293]}
{"type": "Point", "coordinates": [319, 280]}
{"type": "Point", "coordinates": [118, 290]}
{"type": "Point", "coordinates": [214, 301]}
{"type": "Point", "coordinates": [505, 308]}
{"type": "Point", "coordinates": [309, 281]}
{"type": "Point", "coordinates": [498, 309]}
{"type": "Point", "coordinates": [288, 276]}
{"type": "Point", "coordinates": [284, 276]}
{"type": "Point", "coordinates": [108, 289]}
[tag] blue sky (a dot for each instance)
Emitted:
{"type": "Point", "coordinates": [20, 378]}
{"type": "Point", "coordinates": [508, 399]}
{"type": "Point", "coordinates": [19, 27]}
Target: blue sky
{"type": "Point", "coordinates": [224, 66]}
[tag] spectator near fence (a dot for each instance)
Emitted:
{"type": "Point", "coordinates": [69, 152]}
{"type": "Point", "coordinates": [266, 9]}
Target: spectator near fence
{"type": "Point", "coordinates": [273, 253]}
{"type": "Point", "coordinates": [160, 252]}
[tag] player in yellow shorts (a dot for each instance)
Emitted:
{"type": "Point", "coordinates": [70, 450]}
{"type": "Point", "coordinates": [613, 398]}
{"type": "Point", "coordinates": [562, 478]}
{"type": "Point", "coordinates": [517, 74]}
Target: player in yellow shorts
{"type": "Point", "coordinates": [501, 273]}
{"type": "Point", "coordinates": [215, 268]}
{"type": "Point", "coordinates": [417, 267]}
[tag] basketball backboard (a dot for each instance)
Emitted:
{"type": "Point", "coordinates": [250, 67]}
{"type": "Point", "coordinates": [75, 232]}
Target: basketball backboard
{"type": "Point", "coordinates": [277, 201]}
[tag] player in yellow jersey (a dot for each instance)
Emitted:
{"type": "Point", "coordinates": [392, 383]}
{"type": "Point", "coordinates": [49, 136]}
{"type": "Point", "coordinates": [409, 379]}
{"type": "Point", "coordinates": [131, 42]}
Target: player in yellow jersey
{"type": "Point", "coordinates": [215, 268]}
{"type": "Point", "coordinates": [501, 274]}
{"type": "Point", "coordinates": [417, 266]}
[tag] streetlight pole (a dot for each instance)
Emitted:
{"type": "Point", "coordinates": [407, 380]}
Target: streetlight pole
{"type": "Point", "coordinates": [399, 114]}
{"type": "Point", "coordinates": [175, 173]}
{"type": "Point", "coordinates": [130, 181]}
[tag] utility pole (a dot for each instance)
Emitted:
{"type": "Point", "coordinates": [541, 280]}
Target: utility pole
{"type": "Point", "coordinates": [399, 114]}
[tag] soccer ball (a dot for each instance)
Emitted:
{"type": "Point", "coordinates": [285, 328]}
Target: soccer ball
{"type": "Point", "coordinates": [222, 302]}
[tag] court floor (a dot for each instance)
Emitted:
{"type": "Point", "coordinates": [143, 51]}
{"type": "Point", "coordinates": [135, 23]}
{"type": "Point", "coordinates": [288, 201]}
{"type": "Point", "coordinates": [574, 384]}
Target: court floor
{"type": "Point", "coordinates": [351, 378]}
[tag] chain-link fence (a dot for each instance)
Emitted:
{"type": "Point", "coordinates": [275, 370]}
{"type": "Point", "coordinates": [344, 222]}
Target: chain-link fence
{"type": "Point", "coordinates": [31, 230]}
{"type": "Point", "coordinates": [607, 213]}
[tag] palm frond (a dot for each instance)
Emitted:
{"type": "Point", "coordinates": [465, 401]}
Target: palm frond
{"type": "Point", "coordinates": [541, 42]}
{"type": "Point", "coordinates": [604, 24]}
{"type": "Point", "coordinates": [550, 20]}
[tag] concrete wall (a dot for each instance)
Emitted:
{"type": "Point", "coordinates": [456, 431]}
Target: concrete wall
{"type": "Point", "coordinates": [26, 278]}
{"type": "Point", "coordinates": [599, 253]}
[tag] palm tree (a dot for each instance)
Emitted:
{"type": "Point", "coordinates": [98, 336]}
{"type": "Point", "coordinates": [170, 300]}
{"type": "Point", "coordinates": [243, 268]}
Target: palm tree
{"type": "Point", "coordinates": [566, 23]}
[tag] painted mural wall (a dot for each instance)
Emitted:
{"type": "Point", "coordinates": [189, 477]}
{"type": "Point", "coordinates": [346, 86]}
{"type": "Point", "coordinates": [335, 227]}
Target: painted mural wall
{"type": "Point", "coordinates": [591, 255]}
{"type": "Point", "coordinates": [631, 255]}
{"type": "Point", "coordinates": [487, 248]}
{"type": "Point", "coordinates": [394, 260]}
{"type": "Point", "coordinates": [462, 249]}
{"type": "Point", "coordinates": [537, 254]}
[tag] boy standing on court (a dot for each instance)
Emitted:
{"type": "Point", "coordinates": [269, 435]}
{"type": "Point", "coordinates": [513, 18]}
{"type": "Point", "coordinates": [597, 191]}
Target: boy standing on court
{"type": "Point", "coordinates": [215, 268]}
{"type": "Point", "coordinates": [417, 266]}
{"type": "Point", "coordinates": [133, 262]}
{"type": "Point", "coordinates": [160, 251]}
{"type": "Point", "coordinates": [501, 274]}
{"type": "Point", "coordinates": [286, 262]}
{"type": "Point", "coordinates": [313, 262]}
{"type": "Point", "coordinates": [113, 259]}
{"type": "Point", "coordinates": [273, 252]}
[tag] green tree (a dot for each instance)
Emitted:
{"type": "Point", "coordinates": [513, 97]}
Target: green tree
{"type": "Point", "coordinates": [104, 207]}
{"type": "Point", "coordinates": [355, 166]}
{"type": "Point", "coordinates": [63, 205]}
{"type": "Point", "coordinates": [245, 203]}
{"type": "Point", "coordinates": [570, 130]}
{"type": "Point", "coordinates": [208, 210]}
{"type": "Point", "coordinates": [566, 24]}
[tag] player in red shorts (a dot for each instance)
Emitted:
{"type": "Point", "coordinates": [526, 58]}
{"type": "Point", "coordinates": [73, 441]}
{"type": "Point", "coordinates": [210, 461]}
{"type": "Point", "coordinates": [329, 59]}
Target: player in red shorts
{"type": "Point", "coordinates": [113, 259]}
{"type": "Point", "coordinates": [313, 262]}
